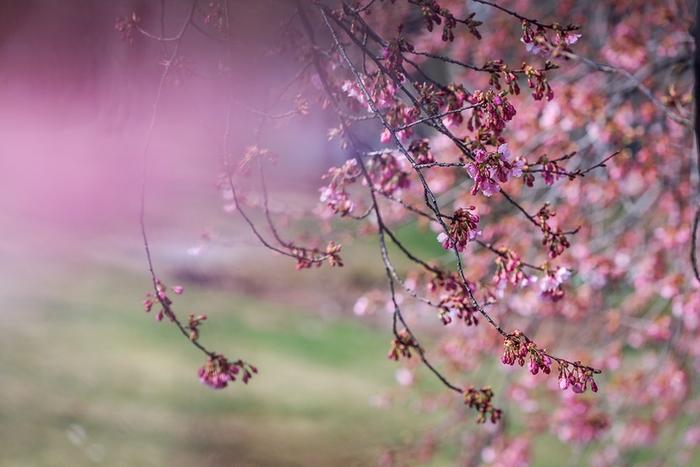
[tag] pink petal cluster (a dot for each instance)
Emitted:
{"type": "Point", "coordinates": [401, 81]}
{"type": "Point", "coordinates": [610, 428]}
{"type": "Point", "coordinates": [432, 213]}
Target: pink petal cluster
{"type": "Point", "coordinates": [538, 41]}
{"type": "Point", "coordinates": [509, 270]}
{"type": "Point", "coordinates": [454, 97]}
{"type": "Point", "coordinates": [397, 117]}
{"type": "Point", "coordinates": [577, 378]}
{"type": "Point", "coordinates": [455, 299]}
{"type": "Point", "coordinates": [516, 348]}
{"type": "Point", "coordinates": [491, 111]}
{"type": "Point", "coordinates": [334, 195]}
{"type": "Point", "coordinates": [218, 372]}
{"type": "Point", "coordinates": [463, 228]}
{"type": "Point", "coordinates": [420, 151]}
{"type": "Point", "coordinates": [489, 168]}
{"type": "Point", "coordinates": [161, 298]}
{"type": "Point", "coordinates": [381, 89]}
{"type": "Point", "coordinates": [388, 174]}
{"type": "Point", "coordinates": [551, 284]}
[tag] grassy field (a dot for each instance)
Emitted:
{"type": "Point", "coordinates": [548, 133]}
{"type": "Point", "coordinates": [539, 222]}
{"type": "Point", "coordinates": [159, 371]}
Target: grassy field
{"type": "Point", "coordinates": [86, 377]}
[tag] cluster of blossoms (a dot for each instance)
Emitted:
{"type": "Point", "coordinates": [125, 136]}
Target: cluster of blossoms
{"type": "Point", "coordinates": [489, 168]}
{"type": "Point", "coordinates": [455, 300]}
{"type": "Point", "coordinates": [401, 345]}
{"type": "Point", "coordinates": [161, 297]}
{"type": "Point", "coordinates": [537, 81]}
{"type": "Point", "coordinates": [420, 151]}
{"type": "Point", "coordinates": [481, 401]}
{"type": "Point", "coordinates": [551, 284]}
{"type": "Point", "coordinates": [127, 26]}
{"type": "Point", "coordinates": [382, 92]}
{"type": "Point", "coordinates": [334, 195]}
{"type": "Point", "coordinates": [434, 14]}
{"type": "Point", "coordinates": [448, 282]}
{"type": "Point", "coordinates": [309, 257]}
{"type": "Point", "coordinates": [399, 116]}
{"type": "Point", "coordinates": [499, 70]}
{"type": "Point", "coordinates": [447, 100]}
{"type": "Point", "coordinates": [517, 348]}
{"type": "Point", "coordinates": [536, 78]}
{"type": "Point", "coordinates": [388, 174]}
{"type": "Point", "coordinates": [193, 323]}
{"type": "Point", "coordinates": [554, 239]}
{"type": "Point", "coordinates": [218, 371]}
{"type": "Point", "coordinates": [509, 270]}
{"type": "Point", "coordinates": [550, 169]}
{"type": "Point", "coordinates": [463, 229]}
{"type": "Point", "coordinates": [254, 154]}
{"type": "Point", "coordinates": [490, 114]}
{"type": "Point", "coordinates": [454, 97]}
{"type": "Point", "coordinates": [538, 42]}
{"type": "Point", "coordinates": [576, 377]}
{"type": "Point", "coordinates": [458, 305]}
{"type": "Point", "coordinates": [392, 55]}
{"type": "Point", "coordinates": [550, 172]}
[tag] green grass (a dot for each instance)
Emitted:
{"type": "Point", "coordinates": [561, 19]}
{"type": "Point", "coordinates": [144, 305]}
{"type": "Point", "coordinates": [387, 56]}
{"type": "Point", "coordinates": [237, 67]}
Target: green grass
{"type": "Point", "coordinates": [87, 377]}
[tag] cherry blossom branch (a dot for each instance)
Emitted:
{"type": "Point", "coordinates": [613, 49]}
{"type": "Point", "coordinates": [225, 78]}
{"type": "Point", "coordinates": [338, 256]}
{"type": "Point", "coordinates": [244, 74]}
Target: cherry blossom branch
{"type": "Point", "coordinates": [516, 15]}
{"type": "Point", "coordinates": [488, 68]}
{"type": "Point", "coordinates": [430, 198]}
{"type": "Point", "coordinates": [434, 123]}
{"type": "Point", "coordinates": [556, 239]}
{"type": "Point", "coordinates": [391, 273]}
{"type": "Point", "coordinates": [432, 204]}
{"type": "Point", "coordinates": [403, 340]}
{"type": "Point", "coordinates": [217, 371]}
{"type": "Point", "coordinates": [528, 166]}
{"type": "Point", "coordinates": [648, 305]}
{"type": "Point", "coordinates": [156, 37]}
{"type": "Point", "coordinates": [428, 216]}
{"type": "Point", "coordinates": [432, 118]}
{"type": "Point", "coordinates": [158, 293]}
{"type": "Point", "coordinates": [304, 256]}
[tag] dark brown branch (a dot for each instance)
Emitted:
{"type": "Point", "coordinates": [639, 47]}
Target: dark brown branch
{"type": "Point", "coordinates": [142, 211]}
{"type": "Point", "coordinates": [430, 197]}
{"type": "Point", "coordinates": [391, 273]}
{"type": "Point", "coordinates": [516, 15]}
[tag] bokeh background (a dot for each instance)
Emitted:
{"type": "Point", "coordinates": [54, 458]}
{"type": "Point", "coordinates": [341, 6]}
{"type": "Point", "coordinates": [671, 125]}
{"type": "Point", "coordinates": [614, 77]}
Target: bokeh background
{"type": "Point", "coordinates": [86, 377]}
